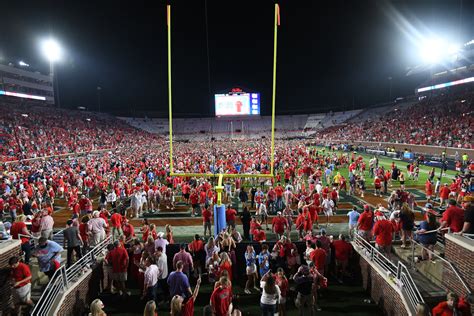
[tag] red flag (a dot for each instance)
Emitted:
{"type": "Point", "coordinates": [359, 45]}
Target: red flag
{"type": "Point", "coordinates": [278, 14]}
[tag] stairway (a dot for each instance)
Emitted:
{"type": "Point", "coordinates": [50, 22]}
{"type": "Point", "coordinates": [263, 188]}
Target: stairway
{"type": "Point", "coordinates": [426, 274]}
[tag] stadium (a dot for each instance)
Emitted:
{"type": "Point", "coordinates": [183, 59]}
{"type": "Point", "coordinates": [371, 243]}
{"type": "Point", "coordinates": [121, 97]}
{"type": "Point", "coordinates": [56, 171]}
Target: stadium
{"type": "Point", "coordinates": [158, 167]}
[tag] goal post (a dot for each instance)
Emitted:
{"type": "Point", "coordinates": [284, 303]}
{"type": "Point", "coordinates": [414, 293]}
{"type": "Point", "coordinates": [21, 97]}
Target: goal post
{"type": "Point", "coordinates": [219, 188]}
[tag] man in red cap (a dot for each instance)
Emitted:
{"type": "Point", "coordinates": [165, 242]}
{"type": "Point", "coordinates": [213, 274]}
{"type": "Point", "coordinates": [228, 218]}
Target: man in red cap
{"type": "Point", "coordinates": [383, 231]}
{"type": "Point", "coordinates": [364, 225]}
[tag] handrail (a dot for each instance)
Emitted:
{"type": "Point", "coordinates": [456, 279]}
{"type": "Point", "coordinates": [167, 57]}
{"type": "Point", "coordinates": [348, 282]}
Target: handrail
{"type": "Point", "coordinates": [399, 272]}
{"type": "Point", "coordinates": [63, 277]}
{"type": "Point", "coordinates": [442, 259]}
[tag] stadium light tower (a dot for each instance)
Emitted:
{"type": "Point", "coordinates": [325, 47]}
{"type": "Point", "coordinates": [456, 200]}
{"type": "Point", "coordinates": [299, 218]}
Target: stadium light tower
{"type": "Point", "coordinates": [53, 52]}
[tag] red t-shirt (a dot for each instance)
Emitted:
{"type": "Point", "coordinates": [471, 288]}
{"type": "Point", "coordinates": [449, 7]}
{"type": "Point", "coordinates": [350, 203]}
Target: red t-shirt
{"type": "Point", "coordinates": [259, 236]}
{"type": "Point", "coordinates": [119, 259]}
{"type": "Point", "coordinates": [442, 309]}
{"type": "Point", "coordinates": [188, 308]}
{"type": "Point", "coordinates": [318, 256]}
{"type": "Point", "coordinates": [454, 218]}
{"type": "Point", "coordinates": [221, 298]}
{"type": "Point", "coordinates": [444, 193]}
{"type": "Point", "coordinates": [206, 216]}
{"type": "Point", "coordinates": [196, 245]}
{"type": "Point", "coordinates": [128, 231]}
{"type": "Point", "coordinates": [21, 272]}
{"type": "Point", "coordinates": [230, 214]}
{"type": "Point", "coordinates": [194, 198]}
{"type": "Point", "coordinates": [16, 229]}
{"type": "Point", "coordinates": [116, 220]}
{"type": "Point", "coordinates": [343, 250]}
{"type": "Point", "coordinates": [279, 191]}
{"type": "Point", "coordinates": [365, 220]}
{"type": "Point", "coordinates": [383, 230]}
{"type": "Point", "coordinates": [279, 224]}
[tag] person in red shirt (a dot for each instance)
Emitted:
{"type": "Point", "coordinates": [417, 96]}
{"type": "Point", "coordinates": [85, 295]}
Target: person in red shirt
{"type": "Point", "coordinates": [343, 251]}
{"type": "Point", "coordinates": [230, 214]}
{"type": "Point", "coordinates": [453, 217]}
{"type": "Point", "coordinates": [279, 196]}
{"type": "Point", "coordinates": [443, 194]}
{"type": "Point", "coordinates": [185, 307]}
{"type": "Point", "coordinates": [383, 230]}
{"type": "Point", "coordinates": [300, 220]}
{"type": "Point", "coordinates": [428, 190]}
{"type": "Point", "coordinates": [279, 224]}
{"type": "Point", "coordinates": [452, 306]}
{"type": "Point", "coordinates": [378, 186]}
{"type": "Point", "coordinates": [118, 258]}
{"type": "Point", "coordinates": [318, 257]}
{"type": "Point", "coordinates": [206, 220]}
{"type": "Point", "coordinates": [259, 235]}
{"type": "Point", "coordinates": [21, 276]}
{"type": "Point", "coordinates": [364, 224]}
{"type": "Point", "coordinates": [128, 229]}
{"type": "Point", "coordinates": [116, 223]}
{"type": "Point", "coordinates": [19, 228]}
{"type": "Point", "coordinates": [221, 299]}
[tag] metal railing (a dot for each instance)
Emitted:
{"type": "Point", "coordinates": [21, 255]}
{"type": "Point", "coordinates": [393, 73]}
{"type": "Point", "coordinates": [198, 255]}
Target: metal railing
{"type": "Point", "coordinates": [34, 239]}
{"type": "Point", "coordinates": [63, 277]}
{"type": "Point", "coordinates": [397, 271]}
{"type": "Point", "coordinates": [415, 244]}
{"type": "Point", "coordinates": [470, 236]}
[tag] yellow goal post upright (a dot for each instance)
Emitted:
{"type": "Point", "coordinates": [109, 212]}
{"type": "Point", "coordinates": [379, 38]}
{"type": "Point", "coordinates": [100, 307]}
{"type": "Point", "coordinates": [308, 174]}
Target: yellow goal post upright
{"type": "Point", "coordinates": [219, 188]}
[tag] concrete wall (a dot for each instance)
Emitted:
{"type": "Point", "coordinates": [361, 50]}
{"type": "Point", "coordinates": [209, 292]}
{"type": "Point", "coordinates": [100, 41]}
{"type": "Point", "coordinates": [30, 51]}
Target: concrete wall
{"type": "Point", "coordinates": [8, 249]}
{"type": "Point", "coordinates": [382, 290]}
{"type": "Point", "coordinates": [432, 150]}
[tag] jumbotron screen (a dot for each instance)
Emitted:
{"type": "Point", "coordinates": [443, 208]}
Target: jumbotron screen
{"type": "Point", "coordinates": [237, 104]}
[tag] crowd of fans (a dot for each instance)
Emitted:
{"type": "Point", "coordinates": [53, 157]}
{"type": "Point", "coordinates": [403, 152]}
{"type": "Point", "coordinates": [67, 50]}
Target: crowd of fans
{"type": "Point", "coordinates": [444, 120]}
{"type": "Point", "coordinates": [104, 190]}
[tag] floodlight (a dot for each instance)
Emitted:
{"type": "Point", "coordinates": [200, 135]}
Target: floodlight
{"type": "Point", "coordinates": [51, 50]}
{"type": "Point", "coordinates": [23, 64]}
{"type": "Point", "coordinates": [432, 51]}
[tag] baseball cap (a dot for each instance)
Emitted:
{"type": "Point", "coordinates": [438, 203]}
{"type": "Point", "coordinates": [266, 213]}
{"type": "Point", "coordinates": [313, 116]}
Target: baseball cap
{"type": "Point", "coordinates": [428, 205]}
{"type": "Point", "coordinates": [378, 213]}
{"type": "Point", "coordinates": [366, 207]}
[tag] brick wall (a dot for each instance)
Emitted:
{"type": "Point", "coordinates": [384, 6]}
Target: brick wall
{"type": "Point", "coordinates": [7, 250]}
{"type": "Point", "coordinates": [77, 299]}
{"type": "Point", "coordinates": [382, 293]}
{"type": "Point", "coordinates": [460, 252]}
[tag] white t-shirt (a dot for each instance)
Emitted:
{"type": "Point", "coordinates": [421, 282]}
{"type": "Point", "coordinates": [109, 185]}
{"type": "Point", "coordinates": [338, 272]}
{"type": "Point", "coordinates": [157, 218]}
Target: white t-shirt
{"type": "Point", "coordinates": [270, 299]}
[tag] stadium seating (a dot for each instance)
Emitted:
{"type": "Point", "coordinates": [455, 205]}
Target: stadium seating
{"type": "Point", "coordinates": [442, 121]}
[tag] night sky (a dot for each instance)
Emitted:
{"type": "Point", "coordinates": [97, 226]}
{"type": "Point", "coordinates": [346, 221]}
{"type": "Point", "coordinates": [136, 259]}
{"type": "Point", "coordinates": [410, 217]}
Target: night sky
{"type": "Point", "coordinates": [332, 55]}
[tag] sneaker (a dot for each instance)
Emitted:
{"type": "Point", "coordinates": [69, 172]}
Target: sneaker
{"type": "Point", "coordinates": [256, 289]}
{"type": "Point", "coordinates": [247, 291]}
{"type": "Point", "coordinates": [403, 246]}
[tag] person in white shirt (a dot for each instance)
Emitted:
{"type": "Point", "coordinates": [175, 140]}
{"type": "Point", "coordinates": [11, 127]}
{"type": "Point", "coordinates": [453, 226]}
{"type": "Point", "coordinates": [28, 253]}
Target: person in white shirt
{"type": "Point", "coordinates": [319, 188]}
{"type": "Point", "coordinates": [328, 206]}
{"type": "Point", "coordinates": [112, 198]}
{"type": "Point", "coordinates": [162, 264]}
{"type": "Point", "coordinates": [150, 279]}
{"type": "Point", "coordinates": [136, 204]}
{"type": "Point", "coordinates": [96, 226]}
{"type": "Point", "coordinates": [271, 295]}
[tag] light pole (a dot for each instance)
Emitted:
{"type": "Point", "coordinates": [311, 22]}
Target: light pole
{"type": "Point", "coordinates": [52, 51]}
{"type": "Point", "coordinates": [99, 89]}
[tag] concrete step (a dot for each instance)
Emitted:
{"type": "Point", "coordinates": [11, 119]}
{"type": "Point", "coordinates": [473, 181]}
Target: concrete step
{"type": "Point", "coordinates": [427, 275]}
